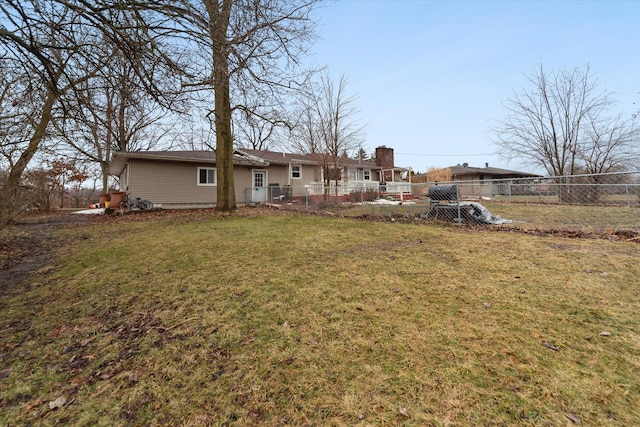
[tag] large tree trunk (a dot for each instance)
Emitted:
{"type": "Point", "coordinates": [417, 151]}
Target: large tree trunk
{"type": "Point", "coordinates": [9, 195]}
{"type": "Point", "coordinates": [219, 13]}
{"type": "Point", "coordinates": [224, 148]}
{"type": "Point", "coordinates": [104, 167]}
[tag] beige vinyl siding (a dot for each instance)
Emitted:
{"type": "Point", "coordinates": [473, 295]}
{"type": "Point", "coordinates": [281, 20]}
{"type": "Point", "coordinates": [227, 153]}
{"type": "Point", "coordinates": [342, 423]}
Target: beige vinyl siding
{"type": "Point", "coordinates": [175, 184]}
{"type": "Point", "coordinates": [278, 174]}
{"type": "Point", "coordinates": [310, 174]}
{"type": "Point", "coordinates": [242, 181]}
{"type": "Point", "coordinates": [169, 182]}
{"type": "Point", "coordinates": [281, 174]}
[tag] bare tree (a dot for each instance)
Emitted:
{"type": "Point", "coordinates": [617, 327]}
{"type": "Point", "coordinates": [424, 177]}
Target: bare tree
{"type": "Point", "coordinates": [18, 103]}
{"type": "Point", "coordinates": [612, 144]}
{"type": "Point", "coordinates": [562, 125]}
{"type": "Point", "coordinates": [306, 133]}
{"type": "Point", "coordinates": [247, 47]}
{"type": "Point", "coordinates": [253, 130]}
{"type": "Point", "coordinates": [32, 37]}
{"type": "Point", "coordinates": [199, 131]}
{"type": "Point", "coordinates": [112, 112]}
{"type": "Point", "coordinates": [58, 43]}
{"type": "Point", "coordinates": [328, 127]}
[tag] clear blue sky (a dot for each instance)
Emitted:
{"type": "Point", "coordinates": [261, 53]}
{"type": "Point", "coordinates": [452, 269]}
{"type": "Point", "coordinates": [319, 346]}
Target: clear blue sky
{"type": "Point", "coordinates": [431, 76]}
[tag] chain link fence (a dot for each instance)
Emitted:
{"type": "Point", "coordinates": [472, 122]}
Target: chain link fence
{"type": "Point", "coordinates": [588, 203]}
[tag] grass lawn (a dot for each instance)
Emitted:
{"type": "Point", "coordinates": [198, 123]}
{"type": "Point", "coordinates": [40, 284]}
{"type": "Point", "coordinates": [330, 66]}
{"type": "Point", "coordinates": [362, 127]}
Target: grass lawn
{"type": "Point", "coordinates": [265, 319]}
{"type": "Point", "coordinates": [527, 216]}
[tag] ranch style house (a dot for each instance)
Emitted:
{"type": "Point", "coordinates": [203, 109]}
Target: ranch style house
{"type": "Point", "coordinates": [187, 179]}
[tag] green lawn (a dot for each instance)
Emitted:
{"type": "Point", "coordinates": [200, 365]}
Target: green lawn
{"type": "Point", "coordinates": [287, 319]}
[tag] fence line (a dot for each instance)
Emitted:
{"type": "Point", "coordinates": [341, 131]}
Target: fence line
{"type": "Point", "coordinates": [598, 203]}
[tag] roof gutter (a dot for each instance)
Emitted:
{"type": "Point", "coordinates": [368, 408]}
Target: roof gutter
{"type": "Point", "coordinates": [120, 160]}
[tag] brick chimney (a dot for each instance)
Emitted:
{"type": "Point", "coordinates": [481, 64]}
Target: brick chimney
{"type": "Point", "coordinates": [384, 159]}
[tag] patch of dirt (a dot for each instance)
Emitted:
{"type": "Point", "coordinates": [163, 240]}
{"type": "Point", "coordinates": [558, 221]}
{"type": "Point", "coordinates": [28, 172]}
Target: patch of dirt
{"type": "Point", "coordinates": [26, 247]}
{"type": "Point", "coordinates": [617, 235]}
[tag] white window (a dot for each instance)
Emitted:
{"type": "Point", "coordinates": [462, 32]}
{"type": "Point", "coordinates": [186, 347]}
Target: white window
{"type": "Point", "coordinates": [351, 174]}
{"type": "Point", "coordinates": [296, 171]}
{"type": "Point", "coordinates": [366, 175]}
{"type": "Point", "coordinates": [206, 176]}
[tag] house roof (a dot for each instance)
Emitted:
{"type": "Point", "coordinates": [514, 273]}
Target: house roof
{"type": "Point", "coordinates": [466, 170]}
{"type": "Point", "coordinates": [280, 158]}
{"type": "Point", "coordinates": [286, 158]}
{"type": "Point", "coordinates": [243, 157]}
{"type": "Point", "coordinates": [121, 158]}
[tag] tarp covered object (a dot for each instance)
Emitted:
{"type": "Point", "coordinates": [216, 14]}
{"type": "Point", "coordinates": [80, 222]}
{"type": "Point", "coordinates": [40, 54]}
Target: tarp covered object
{"type": "Point", "coordinates": [465, 212]}
{"type": "Point", "coordinates": [482, 214]}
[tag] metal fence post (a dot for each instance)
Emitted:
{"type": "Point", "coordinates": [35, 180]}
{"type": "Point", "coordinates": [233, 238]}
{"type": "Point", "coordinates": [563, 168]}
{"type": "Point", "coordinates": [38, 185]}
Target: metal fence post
{"type": "Point", "coordinates": [458, 202]}
{"type": "Point", "coordinates": [626, 190]}
{"type": "Point", "coordinates": [539, 193]}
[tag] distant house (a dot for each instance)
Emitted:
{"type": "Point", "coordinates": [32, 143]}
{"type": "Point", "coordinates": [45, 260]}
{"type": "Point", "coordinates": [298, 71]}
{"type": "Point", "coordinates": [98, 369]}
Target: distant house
{"type": "Point", "coordinates": [187, 179]}
{"type": "Point", "coordinates": [479, 181]}
{"type": "Point", "coordinates": [474, 181]}
{"type": "Point", "coordinates": [465, 172]}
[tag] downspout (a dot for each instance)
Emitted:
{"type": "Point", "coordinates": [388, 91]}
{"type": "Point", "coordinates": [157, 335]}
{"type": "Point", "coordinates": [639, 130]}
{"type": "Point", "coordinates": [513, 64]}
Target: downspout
{"type": "Point", "coordinates": [127, 177]}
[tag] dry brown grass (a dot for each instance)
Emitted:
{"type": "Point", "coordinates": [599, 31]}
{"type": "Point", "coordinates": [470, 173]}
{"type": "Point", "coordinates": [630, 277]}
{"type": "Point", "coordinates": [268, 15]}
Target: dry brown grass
{"type": "Point", "coordinates": [299, 320]}
{"type": "Point", "coordinates": [526, 216]}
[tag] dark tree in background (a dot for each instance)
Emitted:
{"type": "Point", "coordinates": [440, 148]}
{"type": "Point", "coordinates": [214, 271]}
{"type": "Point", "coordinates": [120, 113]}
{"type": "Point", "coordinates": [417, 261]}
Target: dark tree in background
{"type": "Point", "coordinates": [362, 154]}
